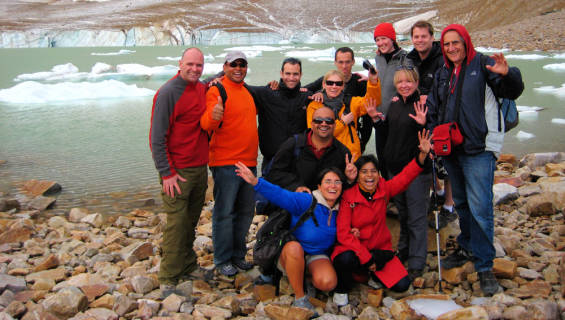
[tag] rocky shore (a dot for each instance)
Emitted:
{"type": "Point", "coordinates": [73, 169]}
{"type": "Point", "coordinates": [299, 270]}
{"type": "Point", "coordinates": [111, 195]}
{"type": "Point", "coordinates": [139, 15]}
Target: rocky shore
{"type": "Point", "coordinates": [84, 265]}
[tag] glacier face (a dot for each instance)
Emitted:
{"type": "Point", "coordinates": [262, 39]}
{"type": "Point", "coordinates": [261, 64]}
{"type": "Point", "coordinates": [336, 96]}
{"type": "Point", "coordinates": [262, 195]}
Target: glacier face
{"type": "Point", "coordinates": [152, 36]}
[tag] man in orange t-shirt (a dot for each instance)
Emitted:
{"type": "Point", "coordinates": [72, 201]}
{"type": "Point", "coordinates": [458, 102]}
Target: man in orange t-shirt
{"type": "Point", "coordinates": [233, 127]}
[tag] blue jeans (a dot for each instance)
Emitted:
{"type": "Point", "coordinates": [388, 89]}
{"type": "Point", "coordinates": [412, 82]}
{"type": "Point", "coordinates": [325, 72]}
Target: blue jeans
{"type": "Point", "coordinates": [472, 177]}
{"type": "Point", "coordinates": [233, 212]}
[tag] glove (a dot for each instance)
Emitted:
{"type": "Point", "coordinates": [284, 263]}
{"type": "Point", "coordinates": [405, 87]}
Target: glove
{"type": "Point", "coordinates": [381, 257]}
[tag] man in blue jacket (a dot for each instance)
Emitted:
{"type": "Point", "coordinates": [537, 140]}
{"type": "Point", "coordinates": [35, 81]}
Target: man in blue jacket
{"type": "Point", "coordinates": [465, 92]}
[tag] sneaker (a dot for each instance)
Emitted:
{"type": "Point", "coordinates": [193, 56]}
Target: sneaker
{"type": "Point", "coordinates": [227, 269]}
{"type": "Point", "coordinates": [167, 290]}
{"type": "Point", "coordinates": [488, 283]}
{"type": "Point", "coordinates": [374, 284]}
{"type": "Point", "coordinates": [310, 289]}
{"type": "Point", "coordinates": [305, 303]}
{"type": "Point", "coordinates": [456, 259]}
{"type": "Point", "coordinates": [243, 264]}
{"type": "Point", "coordinates": [444, 217]}
{"type": "Point", "coordinates": [340, 299]}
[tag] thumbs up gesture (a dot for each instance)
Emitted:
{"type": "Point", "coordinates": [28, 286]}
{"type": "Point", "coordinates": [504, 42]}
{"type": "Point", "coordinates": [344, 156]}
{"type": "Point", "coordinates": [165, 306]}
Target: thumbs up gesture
{"type": "Point", "coordinates": [218, 110]}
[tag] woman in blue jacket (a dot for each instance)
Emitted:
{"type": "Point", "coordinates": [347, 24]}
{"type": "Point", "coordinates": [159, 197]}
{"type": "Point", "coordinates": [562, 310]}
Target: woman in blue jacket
{"type": "Point", "coordinates": [314, 243]}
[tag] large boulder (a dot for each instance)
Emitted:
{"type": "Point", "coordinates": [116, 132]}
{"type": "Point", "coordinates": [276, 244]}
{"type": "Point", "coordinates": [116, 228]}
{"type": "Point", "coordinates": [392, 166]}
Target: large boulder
{"type": "Point", "coordinates": [66, 303]}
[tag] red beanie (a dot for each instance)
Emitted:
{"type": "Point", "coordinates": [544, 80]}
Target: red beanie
{"type": "Point", "coordinates": [385, 29]}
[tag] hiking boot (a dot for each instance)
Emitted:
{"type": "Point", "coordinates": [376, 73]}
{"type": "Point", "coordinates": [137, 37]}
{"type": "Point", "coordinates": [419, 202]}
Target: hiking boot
{"type": "Point", "coordinates": [243, 264]}
{"type": "Point", "coordinates": [488, 283]}
{"type": "Point", "coordinates": [304, 302]}
{"type": "Point", "coordinates": [415, 273]}
{"type": "Point", "coordinates": [340, 299]}
{"type": "Point", "coordinates": [444, 217]}
{"type": "Point", "coordinates": [456, 259]}
{"type": "Point", "coordinates": [227, 269]}
{"type": "Point", "coordinates": [167, 290]}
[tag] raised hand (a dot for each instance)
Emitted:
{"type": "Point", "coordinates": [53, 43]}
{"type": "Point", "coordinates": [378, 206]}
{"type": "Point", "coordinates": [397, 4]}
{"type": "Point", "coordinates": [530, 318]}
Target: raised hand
{"type": "Point", "coordinates": [421, 110]}
{"type": "Point", "coordinates": [171, 184]}
{"type": "Point", "coordinates": [374, 78]}
{"type": "Point", "coordinates": [371, 106]}
{"type": "Point", "coordinates": [500, 64]}
{"type": "Point", "coordinates": [425, 139]}
{"type": "Point", "coordinates": [356, 233]}
{"type": "Point", "coordinates": [218, 110]}
{"type": "Point", "coordinates": [350, 168]}
{"type": "Point", "coordinates": [246, 174]}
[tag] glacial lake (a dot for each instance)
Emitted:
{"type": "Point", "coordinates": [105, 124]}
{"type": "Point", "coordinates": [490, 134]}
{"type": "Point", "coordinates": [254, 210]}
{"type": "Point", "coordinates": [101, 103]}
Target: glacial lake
{"type": "Point", "coordinates": [88, 128]}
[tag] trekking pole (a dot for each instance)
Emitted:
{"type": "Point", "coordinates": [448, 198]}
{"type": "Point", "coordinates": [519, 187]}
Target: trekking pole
{"type": "Point", "coordinates": [436, 217]}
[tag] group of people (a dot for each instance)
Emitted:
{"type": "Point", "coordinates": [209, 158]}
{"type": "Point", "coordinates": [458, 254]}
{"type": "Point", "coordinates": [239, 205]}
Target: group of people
{"type": "Point", "coordinates": [312, 141]}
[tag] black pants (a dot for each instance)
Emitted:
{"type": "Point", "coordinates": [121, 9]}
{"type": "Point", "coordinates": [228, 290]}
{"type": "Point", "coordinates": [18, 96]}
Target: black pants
{"type": "Point", "coordinates": [347, 263]}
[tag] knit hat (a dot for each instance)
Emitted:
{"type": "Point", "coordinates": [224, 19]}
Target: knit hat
{"type": "Point", "coordinates": [385, 29]}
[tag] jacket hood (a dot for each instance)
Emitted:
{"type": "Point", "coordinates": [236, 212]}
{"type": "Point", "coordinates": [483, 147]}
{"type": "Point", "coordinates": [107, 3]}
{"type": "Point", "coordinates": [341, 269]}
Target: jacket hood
{"type": "Point", "coordinates": [321, 200]}
{"type": "Point", "coordinates": [470, 49]}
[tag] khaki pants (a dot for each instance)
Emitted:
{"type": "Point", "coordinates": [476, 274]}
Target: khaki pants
{"type": "Point", "coordinates": [183, 211]}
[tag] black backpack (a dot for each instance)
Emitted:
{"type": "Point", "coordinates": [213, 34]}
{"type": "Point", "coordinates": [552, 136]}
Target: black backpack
{"type": "Point", "coordinates": [274, 234]}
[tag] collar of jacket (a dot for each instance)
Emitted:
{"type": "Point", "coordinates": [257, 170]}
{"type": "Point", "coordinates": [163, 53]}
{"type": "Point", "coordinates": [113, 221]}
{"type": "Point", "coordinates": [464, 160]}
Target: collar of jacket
{"type": "Point", "coordinates": [411, 98]}
{"type": "Point", "coordinates": [287, 91]}
{"type": "Point", "coordinates": [321, 200]}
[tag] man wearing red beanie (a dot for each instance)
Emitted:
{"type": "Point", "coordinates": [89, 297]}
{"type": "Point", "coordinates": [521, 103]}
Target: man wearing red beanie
{"type": "Point", "coordinates": [388, 59]}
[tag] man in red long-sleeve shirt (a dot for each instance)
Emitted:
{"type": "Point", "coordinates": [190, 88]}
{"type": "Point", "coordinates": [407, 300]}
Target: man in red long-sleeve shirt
{"type": "Point", "coordinates": [180, 150]}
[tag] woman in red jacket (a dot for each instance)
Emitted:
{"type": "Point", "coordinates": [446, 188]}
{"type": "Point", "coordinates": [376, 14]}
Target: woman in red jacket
{"type": "Point", "coordinates": [363, 240]}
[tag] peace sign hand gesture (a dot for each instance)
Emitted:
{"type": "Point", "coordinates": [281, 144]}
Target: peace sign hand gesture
{"type": "Point", "coordinates": [350, 168]}
{"type": "Point", "coordinates": [421, 110]}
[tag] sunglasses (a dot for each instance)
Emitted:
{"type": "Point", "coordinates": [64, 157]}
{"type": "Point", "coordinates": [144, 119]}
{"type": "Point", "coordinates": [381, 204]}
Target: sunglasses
{"type": "Point", "coordinates": [241, 64]}
{"type": "Point", "coordinates": [404, 67]}
{"type": "Point", "coordinates": [322, 120]}
{"type": "Point", "coordinates": [336, 83]}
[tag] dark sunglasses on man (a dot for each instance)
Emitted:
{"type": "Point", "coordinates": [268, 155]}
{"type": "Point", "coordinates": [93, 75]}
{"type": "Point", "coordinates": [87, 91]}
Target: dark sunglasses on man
{"type": "Point", "coordinates": [329, 121]}
{"type": "Point", "coordinates": [241, 64]}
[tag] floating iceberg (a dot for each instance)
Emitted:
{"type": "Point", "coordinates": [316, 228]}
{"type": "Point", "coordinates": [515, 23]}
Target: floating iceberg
{"type": "Point", "coordinates": [560, 92]}
{"type": "Point", "coordinates": [555, 67]}
{"type": "Point", "coordinates": [121, 52]}
{"type": "Point", "coordinates": [35, 92]}
{"type": "Point", "coordinates": [522, 135]}
{"type": "Point", "coordinates": [491, 49]}
{"type": "Point", "coordinates": [259, 48]}
{"type": "Point", "coordinates": [58, 72]}
{"type": "Point", "coordinates": [322, 53]}
{"type": "Point", "coordinates": [526, 56]}
{"type": "Point", "coordinates": [528, 109]}
{"type": "Point", "coordinates": [169, 58]}
{"type": "Point", "coordinates": [558, 121]}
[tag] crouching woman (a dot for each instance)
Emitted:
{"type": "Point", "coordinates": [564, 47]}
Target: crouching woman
{"type": "Point", "coordinates": [364, 244]}
{"type": "Point", "coordinates": [313, 243]}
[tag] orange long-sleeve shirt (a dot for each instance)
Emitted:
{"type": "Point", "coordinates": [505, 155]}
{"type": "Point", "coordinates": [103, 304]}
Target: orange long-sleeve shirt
{"type": "Point", "coordinates": [237, 139]}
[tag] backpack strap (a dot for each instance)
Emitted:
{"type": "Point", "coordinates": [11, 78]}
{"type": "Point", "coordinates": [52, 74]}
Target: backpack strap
{"type": "Point", "coordinates": [346, 110]}
{"type": "Point", "coordinates": [484, 60]}
{"type": "Point", "coordinates": [307, 214]}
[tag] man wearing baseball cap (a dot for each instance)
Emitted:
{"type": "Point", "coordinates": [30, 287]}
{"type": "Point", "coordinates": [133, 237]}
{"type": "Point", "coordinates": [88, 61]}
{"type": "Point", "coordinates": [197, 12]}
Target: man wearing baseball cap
{"type": "Point", "coordinates": [232, 126]}
{"type": "Point", "coordinates": [388, 59]}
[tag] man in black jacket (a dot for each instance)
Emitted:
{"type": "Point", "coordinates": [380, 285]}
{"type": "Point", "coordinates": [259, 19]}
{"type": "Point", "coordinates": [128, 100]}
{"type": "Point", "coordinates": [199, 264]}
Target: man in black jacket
{"type": "Point", "coordinates": [282, 112]}
{"type": "Point", "coordinates": [296, 165]}
{"type": "Point", "coordinates": [427, 58]}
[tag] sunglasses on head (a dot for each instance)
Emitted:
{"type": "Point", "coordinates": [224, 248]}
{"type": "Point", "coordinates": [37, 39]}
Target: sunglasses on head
{"type": "Point", "coordinates": [405, 67]}
{"type": "Point", "coordinates": [322, 120]}
{"type": "Point", "coordinates": [241, 64]}
{"type": "Point", "coordinates": [331, 83]}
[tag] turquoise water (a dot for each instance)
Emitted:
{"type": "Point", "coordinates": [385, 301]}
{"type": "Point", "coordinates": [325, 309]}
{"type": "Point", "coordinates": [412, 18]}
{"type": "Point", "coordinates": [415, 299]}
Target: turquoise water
{"type": "Point", "coordinates": [100, 145]}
